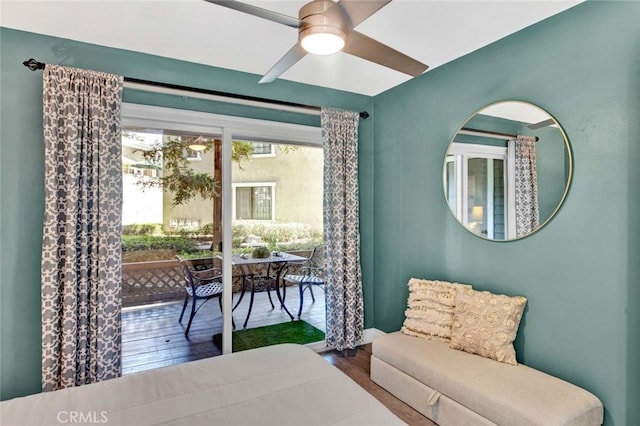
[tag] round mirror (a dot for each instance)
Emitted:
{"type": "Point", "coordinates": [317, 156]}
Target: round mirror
{"type": "Point", "coordinates": [507, 171]}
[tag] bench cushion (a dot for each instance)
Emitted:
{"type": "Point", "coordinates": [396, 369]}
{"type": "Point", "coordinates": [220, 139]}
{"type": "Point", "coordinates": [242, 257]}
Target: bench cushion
{"type": "Point", "coordinates": [505, 394]}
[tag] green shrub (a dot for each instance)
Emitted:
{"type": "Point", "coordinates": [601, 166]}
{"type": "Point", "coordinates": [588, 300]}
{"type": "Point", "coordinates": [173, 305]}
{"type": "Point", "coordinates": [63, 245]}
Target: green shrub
{"type": "Point", "coordinates": [307, 244]}
{"type": "Point", "coordinates": [147, 256]}
{"type": "Point", "coordinates": [186, 232]}
{"type": "Point", "coordinates": [142, 229]}
{"type": "Point", "coordinates": [239, 231]}
{"type": "Point", "coordinates": [273, 233]}
{"type": "Point", "coordinates": [206, 229]}
{"type": "Point", "coordinates": [148, 242]}
{"type": "Point", "coordinates": [137, 239]}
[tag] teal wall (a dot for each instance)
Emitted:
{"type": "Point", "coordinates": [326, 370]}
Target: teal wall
{"type": "Point", "coordinates": [581, 272]}
{"type": "Point", "coordinates": [21, 168]}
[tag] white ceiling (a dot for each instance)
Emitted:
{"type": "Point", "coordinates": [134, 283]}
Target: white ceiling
{"type": "Point", "coordinates": [516, 111]}
{"type": "Point", "coordinates": [433, 32]}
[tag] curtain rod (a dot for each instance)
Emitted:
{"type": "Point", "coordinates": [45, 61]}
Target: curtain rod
{"type": "Point", "coordinates": [135, 83]}
{"type": "Point", "coordinates": [485, 134]}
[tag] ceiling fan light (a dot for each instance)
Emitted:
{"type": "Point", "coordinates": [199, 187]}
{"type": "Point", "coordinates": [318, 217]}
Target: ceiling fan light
{"type": "Point", "coordinates": [322, 39]}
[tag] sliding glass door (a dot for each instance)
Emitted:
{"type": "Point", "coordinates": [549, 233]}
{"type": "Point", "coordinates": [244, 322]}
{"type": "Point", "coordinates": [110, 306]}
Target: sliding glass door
{"type": "Point", "coordinates": [476, 188]}
{"type": "Point", "coordinates": [206, 189]}
{"type": "Point", "coordinates": [172, 225]}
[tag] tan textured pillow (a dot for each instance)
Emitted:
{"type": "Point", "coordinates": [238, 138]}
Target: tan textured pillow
{"type": "Point", "coordinates": [486, 324]}
{"type": "Point", "coordinates": [430, 309]}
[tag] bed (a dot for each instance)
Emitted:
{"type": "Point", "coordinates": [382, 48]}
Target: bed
{"type": "Point", "coordinates": [276, 385]}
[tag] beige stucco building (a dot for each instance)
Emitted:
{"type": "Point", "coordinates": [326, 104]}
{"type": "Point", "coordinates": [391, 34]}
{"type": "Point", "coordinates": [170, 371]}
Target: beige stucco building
{"type": "Point", "coordinates": [278, 183]}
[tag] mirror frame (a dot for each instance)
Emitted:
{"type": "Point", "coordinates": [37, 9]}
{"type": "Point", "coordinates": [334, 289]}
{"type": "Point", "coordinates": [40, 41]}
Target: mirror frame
{"type": "Point", "coordinates": [569, 179]}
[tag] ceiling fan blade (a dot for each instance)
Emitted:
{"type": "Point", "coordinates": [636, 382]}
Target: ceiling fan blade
{"type": "Point", "coordinates": [367, 48]}
{"type": "Point", "coordinates": [291, 57]}
{"type": "Point", "coordinates": [359, 10]}
{"type": "Point", "coordinates": [541, 124]}
{"type": "Point", "coordinates": [259, 12]}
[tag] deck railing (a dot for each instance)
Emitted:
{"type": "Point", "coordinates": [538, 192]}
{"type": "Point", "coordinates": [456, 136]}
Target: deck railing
{"type": "Point", "coordinates": [151, 282]}
{"type": "Point", "coordinates": [162, 281]}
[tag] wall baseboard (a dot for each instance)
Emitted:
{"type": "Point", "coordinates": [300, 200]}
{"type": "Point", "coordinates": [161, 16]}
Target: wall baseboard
{"type": "Point", "coordinates": [368, 336]}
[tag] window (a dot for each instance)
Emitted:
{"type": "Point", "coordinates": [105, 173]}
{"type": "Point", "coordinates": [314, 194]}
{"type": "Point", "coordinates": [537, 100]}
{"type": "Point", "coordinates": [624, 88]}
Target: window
{"type": "Point", "coordinates": [254, 201]}
{"type": "Point", "coordinates": [262, 149]}
{"type": "Point", "coordinates": [192, 155]}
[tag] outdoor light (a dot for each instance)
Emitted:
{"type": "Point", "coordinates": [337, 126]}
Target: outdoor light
{"type": "Point", "coordinates": [477, 213]}
{"type": "Point", "coordinates": [200, 144]}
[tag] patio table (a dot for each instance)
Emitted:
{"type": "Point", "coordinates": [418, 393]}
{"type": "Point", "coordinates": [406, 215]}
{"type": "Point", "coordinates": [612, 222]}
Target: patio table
{"type": "Point", "coordinates": [281, 259]}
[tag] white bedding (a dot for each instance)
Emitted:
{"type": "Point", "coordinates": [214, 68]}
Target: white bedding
{"type": "Point", "coordinates": [276, 385]}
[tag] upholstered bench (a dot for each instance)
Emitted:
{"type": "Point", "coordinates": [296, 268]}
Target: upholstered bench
{"type": "Point", "coordinates": [452, 387]}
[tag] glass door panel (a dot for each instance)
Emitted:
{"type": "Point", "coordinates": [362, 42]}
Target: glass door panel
{"type": "Point", "coordinates": [477, 189]}
{"type": "Point", "coordinates": [276, 211]}
{"type": "Point", "coordinates": [172, 240]}
{"type": "Point", "coordinates": [499, 200]}
{"type": "Point", "coordinates": [486, 198]}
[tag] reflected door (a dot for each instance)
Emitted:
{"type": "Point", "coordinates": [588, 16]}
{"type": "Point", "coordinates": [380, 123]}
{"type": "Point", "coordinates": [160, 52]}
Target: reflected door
{"type": "Point", "coordinates": [475, 187]}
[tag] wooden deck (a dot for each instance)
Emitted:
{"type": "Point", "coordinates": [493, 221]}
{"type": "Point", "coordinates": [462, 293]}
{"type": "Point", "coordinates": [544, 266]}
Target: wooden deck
{"type": "Point", "coordinates": [152, 337]}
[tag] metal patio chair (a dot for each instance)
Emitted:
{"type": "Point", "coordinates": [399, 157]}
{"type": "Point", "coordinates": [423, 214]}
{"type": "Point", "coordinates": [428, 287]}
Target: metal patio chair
{"type": "Point", "coordinates": [310, 274]}
{"type": "Point", "coordinates": [202, 285]}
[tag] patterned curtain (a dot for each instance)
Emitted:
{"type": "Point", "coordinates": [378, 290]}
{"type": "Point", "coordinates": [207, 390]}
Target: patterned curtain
{"type": "Point", "coordinates": [527, 215]}
{"type": "Point", "coordinates": [81, 247]}
{"type": "Point", "coordinates": [345, 318]}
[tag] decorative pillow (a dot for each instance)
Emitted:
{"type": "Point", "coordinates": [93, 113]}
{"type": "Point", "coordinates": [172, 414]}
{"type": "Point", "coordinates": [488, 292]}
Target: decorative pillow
{"type": "Point", "coordinates": [486, 324]}
{"type": "Point", "coordinates": [430, 309]}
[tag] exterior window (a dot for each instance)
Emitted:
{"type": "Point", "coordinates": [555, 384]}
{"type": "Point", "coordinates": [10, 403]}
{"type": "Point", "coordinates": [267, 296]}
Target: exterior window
{"type": "Point", "coordinates": [254, 201]}
{"type": "Point", "coordinates": [262, 149]}
{"type": "Point", "coordinates": [192, 155]}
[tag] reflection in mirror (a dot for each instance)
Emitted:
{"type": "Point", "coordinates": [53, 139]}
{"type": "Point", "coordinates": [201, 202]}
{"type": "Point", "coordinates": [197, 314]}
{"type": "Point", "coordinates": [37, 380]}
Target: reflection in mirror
{"type": "Point", "coordinates": [507, 171]}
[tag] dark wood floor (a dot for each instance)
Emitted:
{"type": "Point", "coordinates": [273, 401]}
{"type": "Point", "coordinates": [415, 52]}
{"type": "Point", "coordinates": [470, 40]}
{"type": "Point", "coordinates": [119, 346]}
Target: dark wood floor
{"type": "Point", "coordinates": [357, 367]}
{"type": "Point", "coordinates": [152, 337]}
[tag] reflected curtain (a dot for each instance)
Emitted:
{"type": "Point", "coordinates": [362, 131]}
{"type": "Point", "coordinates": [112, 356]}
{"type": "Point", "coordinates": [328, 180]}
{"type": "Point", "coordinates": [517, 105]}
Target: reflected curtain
{"type": "Point", "coordinates": [243, 203]}
{"type": "Point", "coordinates": [345, 313]}
{"type": "Point", "coordinates": [81, 247]}
{"type": "Point", "coordinates": [526, 186]}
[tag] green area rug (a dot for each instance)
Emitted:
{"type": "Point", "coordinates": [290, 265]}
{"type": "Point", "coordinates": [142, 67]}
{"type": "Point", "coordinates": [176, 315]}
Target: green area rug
{"type": "Point", "coordinates": [299, 332]}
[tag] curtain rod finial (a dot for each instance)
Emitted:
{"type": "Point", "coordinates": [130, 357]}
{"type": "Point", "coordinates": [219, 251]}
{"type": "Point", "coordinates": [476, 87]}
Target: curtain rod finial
{"type": "Point", "coordinates": [33, 65]}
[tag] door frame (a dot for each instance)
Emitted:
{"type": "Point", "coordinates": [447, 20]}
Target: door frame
{"type": "Point", "coordinates": [461, 153]}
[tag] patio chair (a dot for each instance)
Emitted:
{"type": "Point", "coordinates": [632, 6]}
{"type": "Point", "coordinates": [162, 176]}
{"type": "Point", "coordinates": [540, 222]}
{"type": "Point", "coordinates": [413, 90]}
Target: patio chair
{"type": "Point", "coordinates": [310, 274]}
{"type": "Point", "coordinates": [257, 282]}
{"type": "Point", "coordinates": [201, 285]}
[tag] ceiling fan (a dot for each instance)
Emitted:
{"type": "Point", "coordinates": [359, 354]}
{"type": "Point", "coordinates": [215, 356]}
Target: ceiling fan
{"type": "Point", "coordinates": [325, 27]}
